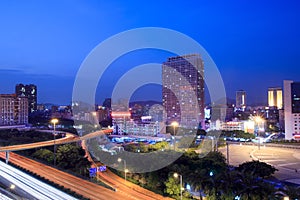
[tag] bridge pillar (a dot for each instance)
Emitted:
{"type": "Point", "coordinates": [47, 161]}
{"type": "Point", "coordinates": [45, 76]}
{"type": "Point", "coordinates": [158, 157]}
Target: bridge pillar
{"type": "Point", "coordinates": [6, 156]}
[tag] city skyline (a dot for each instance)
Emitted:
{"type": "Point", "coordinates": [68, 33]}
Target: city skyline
{"type": "Point", "coordinates": [253, 44]}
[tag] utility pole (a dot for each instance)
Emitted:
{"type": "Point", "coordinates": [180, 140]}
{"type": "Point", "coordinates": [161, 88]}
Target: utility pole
{"type": "Point", "coordinates": [227, 152]}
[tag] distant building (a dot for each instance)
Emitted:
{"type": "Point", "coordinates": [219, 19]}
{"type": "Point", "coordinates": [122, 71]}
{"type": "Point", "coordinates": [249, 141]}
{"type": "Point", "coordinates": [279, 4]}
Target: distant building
{"type": "Point", "coordinates": [292, 109]}
{"type": "Point", "coordinates": [136, 112]}
{"type": "Point", "coordinates": [13, 110]}
{"type": "Point", "coordinates": [241, 99]}
{"type": "Point", "coordinates": [120, 105]}
{"type": "Point", "coordinates": [107, 103]}
{"type": "Point", "coordinates": [103, 116]}
{"type": "Point", "coordinates": [222, 112]}
{"type": "Point", "coordinates": [63, 112]}
{"type": "Point", "coordinates": [29, 91]}
{"type": "Point", "coordinates": [183, 90]}
{"type": "Point", "coordinates": [41, 107]}
{"type": "Point", "coordinates": [245, 125]}
{"type": "Point", "coordinates": [275, 97]}
{"type": "Point", "coordinates": [120, 121]}
{"type": "Point", "coordinates": [149, 129]}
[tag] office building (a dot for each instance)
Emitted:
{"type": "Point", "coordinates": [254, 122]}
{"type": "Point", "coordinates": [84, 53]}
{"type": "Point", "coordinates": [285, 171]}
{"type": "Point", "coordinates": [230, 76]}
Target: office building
{"type": "Point", "coordinates": [13, 110]}
{"type": "Point", "coordinates": [183, 90]}
{"type": "Point", "coordinates": [119, 121]}
{"type": "Point", "coordinates": [292, 109]}
{"type": "Point", "coordinates": [275, 97]}
{"type": "Point", "coordinates": [241, 100]}
{"type": "Point", "coordinates": [29, 91]}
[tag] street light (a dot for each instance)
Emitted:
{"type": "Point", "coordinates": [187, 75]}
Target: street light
{"type": "Point", "coordinates": [54, 122]}
{"type": "Point", "coordinates": [12, 186]}
{"type": "Point", "coordinates": [125, 169]}
{"type": "Point", "coordinates": [176, 176]}
{"type": "Point", "coordinates": [258, 120]}
{"type": "Point", "coordinates": [174, 124]}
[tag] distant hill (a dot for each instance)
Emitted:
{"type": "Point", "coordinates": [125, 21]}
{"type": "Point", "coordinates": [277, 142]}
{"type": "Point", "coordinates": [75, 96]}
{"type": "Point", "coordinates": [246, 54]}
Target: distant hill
{"type": "Point", "coordinates": [144, 103]}
{"type": "Point", "coordinates": [227, 100]}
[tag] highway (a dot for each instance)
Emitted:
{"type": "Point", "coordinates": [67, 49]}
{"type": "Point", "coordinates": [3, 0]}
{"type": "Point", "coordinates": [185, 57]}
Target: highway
{"type": "Point", "coordinates": [85, 188]}
{"type": "Point", "coordinates": [286, 160]}
{"type": "Point", "coordinates": [130, 190]}
{"type": "Point", "coordinates": [68, 139]}
{"type": "Point", "coordinates": [124, 189]}
{"type": "Point", "coordinates": [34, 188]}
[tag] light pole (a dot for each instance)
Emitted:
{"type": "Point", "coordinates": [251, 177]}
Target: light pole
{"type": "Point", "coordinates": [258, 120]}
{"type": "Point", "coordinates": [125, 169]}
{"type": "Point", "coordinates": [176, 176]}
{"type": "Point", "coordinates": [174, 124]}
{"type": "Point", "coordinates": [54, 122]}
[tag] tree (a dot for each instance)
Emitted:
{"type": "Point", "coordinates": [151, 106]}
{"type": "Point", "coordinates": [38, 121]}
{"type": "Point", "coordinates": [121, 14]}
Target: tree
{"type": "Point", "coordinates": [44, 154]}
{"type": "Point", "coordinates": [70, 156]}
{"type": "Point", "coordinates": [256, 168]}
{"type": "Point", "coordinates": [292, 192]}
{"type": "Point", "coordinates": [172, 187]}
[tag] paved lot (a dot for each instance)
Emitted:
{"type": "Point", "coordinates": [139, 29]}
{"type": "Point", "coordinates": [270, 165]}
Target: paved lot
{"type": "Point", "coordinates": [287, 161]}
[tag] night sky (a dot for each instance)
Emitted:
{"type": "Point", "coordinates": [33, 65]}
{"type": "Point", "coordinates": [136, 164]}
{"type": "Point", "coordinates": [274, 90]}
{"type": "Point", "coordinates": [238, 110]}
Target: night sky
{"type": "Point", "coordinates": [255, 44]}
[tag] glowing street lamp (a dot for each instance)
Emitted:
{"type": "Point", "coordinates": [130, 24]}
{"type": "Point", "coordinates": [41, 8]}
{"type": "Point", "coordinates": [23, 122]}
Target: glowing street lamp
{"type": "Point", "coordinates": [125, 169]}
{"type": "Point", "coordinates": [258, 120]}
{"type": "Point", "coordinates": [12, 186]}
{"type": "Point", "coordinates": [174, 124]}
{"type": "Point", "coordinates": [176, 176]}
{"type": "Point", "coordinates": [54, 122]}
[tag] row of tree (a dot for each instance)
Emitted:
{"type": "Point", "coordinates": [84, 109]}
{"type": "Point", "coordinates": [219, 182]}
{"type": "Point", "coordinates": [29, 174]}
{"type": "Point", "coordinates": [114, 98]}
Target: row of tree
{"type": "Point", "coordinates": [213, 178]}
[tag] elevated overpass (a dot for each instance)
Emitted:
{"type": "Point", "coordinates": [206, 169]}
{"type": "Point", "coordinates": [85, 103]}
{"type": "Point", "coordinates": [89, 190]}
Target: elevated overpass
{"type": "Point", "coordinates": [68, 139]}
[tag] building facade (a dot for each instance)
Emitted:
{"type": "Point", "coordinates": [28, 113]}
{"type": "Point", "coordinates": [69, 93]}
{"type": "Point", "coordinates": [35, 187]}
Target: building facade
{"type": "Point", "coordinates": [241, 99]}
{"type": "Point", "coordinates": [275, 97]}
{"type": "Point", "coordinates": [292, 109]}
{"type": "Point", "coordinates": [13, 110]}
{"type": "Point", "coordinates": [29, 91]}
{"type": "Point", "coordinates": [183, 90]}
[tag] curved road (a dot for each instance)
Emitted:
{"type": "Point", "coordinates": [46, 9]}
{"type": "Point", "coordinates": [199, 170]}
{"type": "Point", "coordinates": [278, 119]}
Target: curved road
{"type": "Point", "coordinates": [68, 139]}
{"type": "Point", "coordinates": [78, 185]}
{"type": "Point", "coordinates": [125, 190]}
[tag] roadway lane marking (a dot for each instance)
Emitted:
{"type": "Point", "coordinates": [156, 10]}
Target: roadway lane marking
{"type": "Point", "coordinates": [279, 160]}
{"type": "Point", "coordinates": [286, 164]}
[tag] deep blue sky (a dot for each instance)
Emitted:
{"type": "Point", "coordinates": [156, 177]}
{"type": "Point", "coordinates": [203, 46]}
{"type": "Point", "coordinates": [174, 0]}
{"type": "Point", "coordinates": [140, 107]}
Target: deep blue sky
{"type": "Point", "coordinates": [255, 44]}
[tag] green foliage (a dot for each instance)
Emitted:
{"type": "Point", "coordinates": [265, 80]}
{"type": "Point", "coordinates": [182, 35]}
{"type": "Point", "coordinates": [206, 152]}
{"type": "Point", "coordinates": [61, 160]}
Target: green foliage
{"type": "Point", "coordinates": [172, 186]}
{"type": "Point", "coordinates": [237, 134]}
{"type": "Point", "coordinates": [44, 154]}
{"type": "Point", "coordinates": [292, 192]}
{"type": "Point", "coordinates": [13, 137]}
{"type": "Point", "coordinates": [158, 146]}
{"type": "Point", "coordinates": [256, 168]}
{"type": "Point", "coordinates": [70, 156]}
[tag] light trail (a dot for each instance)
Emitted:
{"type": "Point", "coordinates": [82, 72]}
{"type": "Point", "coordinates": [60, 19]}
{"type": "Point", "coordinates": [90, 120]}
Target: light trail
{"type": "Point", "coordinates": [32, 186]}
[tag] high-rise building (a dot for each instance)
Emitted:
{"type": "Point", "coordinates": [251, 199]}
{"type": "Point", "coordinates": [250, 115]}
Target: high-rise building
{"type": "Point", "coordinates": [29, 91]}
{"type": "Point", "coordinates": [275, 97]}
{"type": "Point", "coordinates": [292, 109]}
{"type": "Point", "coordinates": [107, 103]}
{"type": "Point", "coordinates": [241, 99]}
{"type": "Point", "coordinates": [183, 90]}
{"type": "Point", "coordinates": [13, 109]}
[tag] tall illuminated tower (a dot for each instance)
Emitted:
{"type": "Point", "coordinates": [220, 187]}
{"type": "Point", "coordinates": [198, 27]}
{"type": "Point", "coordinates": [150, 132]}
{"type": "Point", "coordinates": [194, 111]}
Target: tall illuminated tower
{"type": "Point", "coordinates": [241, 99]}
{"type": "Point", "coordinates": [29, 91]}
{"type": "Point", "coordinates": [183, 90]}
{"type": "Point", "coordinates": [292, 109]}
{"type": "Point", "coordinates": [275, 97]}
{"type": "Point", "coordinates": [13, 109]}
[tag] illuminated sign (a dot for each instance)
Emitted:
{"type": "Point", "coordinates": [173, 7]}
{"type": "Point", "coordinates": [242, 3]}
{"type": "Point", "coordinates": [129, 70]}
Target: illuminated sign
{"type": "Point", "coordinates": [102, 168]}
